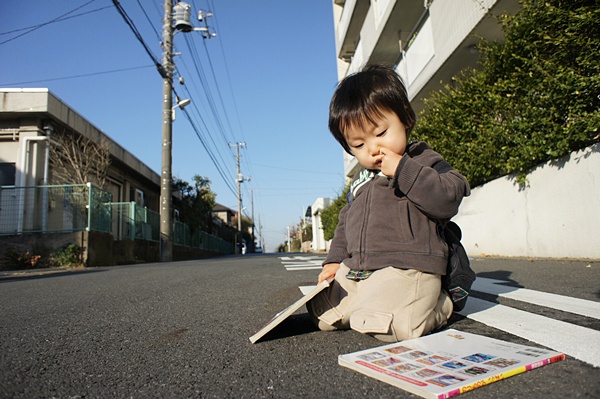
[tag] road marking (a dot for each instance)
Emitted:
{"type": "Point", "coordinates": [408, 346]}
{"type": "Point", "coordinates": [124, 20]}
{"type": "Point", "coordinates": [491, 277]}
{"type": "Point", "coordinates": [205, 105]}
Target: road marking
{"type": "Point", "coordinates": [579, 342]}
{"type": "Point", "coordinates": [560, 302]}
{"type": "Point", "coordinates": [296, 263]}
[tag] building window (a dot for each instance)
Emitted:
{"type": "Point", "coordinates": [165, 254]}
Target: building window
{"type": "Point", "coordinates": [139, 197]}
{"type": "Point", "coordinates": [7, 174]}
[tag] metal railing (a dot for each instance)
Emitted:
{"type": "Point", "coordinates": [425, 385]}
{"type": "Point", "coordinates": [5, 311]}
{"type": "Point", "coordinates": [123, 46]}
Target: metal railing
{"type": "Point", "coordinates": [131, 221]}
{"type": "Point", "coordinates": [45, 209]}
{"type": "Point", "coordinates": [69, 208]}
{"type": "Point", "coordinates": [183, 236]}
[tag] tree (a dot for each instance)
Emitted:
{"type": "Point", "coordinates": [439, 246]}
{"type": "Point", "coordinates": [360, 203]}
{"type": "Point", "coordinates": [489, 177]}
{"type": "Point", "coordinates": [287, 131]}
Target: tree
{"type": "Point", "coordinates": [196, 203]}
{"type": "Point", "coordinates": [78, 160]}
{"type": "Point", "coordinates": [329, 215]}
{"type": "Point", "coordinates": [535, 98]}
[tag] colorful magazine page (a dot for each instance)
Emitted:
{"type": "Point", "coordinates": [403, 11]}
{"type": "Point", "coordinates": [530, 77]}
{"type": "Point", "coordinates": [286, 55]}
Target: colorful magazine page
{"type": "Point", "coordinates": [285, 313]}
{"type": "Point", "coordinates": [447, 363]}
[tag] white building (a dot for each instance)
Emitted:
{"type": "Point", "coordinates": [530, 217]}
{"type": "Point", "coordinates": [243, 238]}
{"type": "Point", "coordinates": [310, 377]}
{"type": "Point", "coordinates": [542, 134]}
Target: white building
{"type": "Point", "coordinates": [318, 239]}
{"type": "Point", "coordinates": [427, 41]}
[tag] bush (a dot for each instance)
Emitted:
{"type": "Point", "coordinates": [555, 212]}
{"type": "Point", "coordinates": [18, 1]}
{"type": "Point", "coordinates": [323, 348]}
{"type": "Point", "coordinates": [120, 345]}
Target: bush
{"type": "Point", "coordinates": [68, 256]}
{"type": "Point", "coordinates": [329, 215]}
{"type": "Point", "coordinates": [535, 98]}
{"type": "Point", "coordinates": [20, 258]}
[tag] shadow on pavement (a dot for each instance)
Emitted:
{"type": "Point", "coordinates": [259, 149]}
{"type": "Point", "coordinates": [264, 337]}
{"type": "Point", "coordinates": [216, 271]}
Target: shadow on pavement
{"type": "Point", "coordinates": [7, 277]}
{"type": "Point", "coordinates": [296, 324]}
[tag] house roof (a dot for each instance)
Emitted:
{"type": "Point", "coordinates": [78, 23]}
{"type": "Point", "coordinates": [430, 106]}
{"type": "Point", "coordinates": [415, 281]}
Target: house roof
{"type": "Point", "coordinates": [43, 104]}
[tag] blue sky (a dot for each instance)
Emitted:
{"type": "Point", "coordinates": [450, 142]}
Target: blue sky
{"type": "Point", "coordinates": [265, 80]}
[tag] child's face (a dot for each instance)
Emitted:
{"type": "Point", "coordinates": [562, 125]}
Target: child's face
{"type": "Point", "coordinates": [388, 132]}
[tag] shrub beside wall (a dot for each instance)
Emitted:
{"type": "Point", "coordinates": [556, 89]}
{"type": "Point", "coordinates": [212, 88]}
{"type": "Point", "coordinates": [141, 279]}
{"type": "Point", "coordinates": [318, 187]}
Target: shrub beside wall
{"type": "Point", "coordinates": [535, 98]}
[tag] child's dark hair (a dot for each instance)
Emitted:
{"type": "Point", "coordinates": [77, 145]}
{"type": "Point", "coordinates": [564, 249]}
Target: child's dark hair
{"type": "Point", "coordinates": [361, 97]}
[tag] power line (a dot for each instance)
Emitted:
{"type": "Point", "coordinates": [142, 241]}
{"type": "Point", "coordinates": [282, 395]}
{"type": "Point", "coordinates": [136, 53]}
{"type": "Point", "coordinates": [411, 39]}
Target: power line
{"type": "Point", "coordinates": [137, 34]}
{"type": "Point", "coordinates": [207, 90]}
{"type": "Point", "coordinates": [78, 76]}
{"type": "Point", "coordinates": [149, 20]}
{"type": "Point", "coordinates": [219, 170]}
{"type": "Point", "coordinates": [46, 23]}
{"type": "Point", "coordinates": [163, 74]}
{"type": "Point", "coordinates": [34, 27]}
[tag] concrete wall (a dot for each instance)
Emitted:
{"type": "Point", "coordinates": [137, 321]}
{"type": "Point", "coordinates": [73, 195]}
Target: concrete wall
{"type": "Point", "coordinates": [556, 215]}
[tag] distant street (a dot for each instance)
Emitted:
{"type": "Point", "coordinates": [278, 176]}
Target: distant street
{"type": "Point", "coordinates": [180, 330]}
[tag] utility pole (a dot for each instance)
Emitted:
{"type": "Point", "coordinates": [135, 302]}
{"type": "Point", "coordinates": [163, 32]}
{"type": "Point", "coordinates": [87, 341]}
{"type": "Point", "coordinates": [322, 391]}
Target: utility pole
{"type": "Point", "coordinates": [253, 224]}
{"type": "Point", "coordinates": [166, 213]}
{"type": "Point", "coordinates": [179, 13]}
{"type": "Point", "coordinates": [239, 179]}
{"type": "Point", "coordinates": [260, 239]}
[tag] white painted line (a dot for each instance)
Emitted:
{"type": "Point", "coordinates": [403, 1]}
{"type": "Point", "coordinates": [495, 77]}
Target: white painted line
{"type": "Point", "coordinates": [297, 264]}
{"type": "Point", "coordinates": [294, 268]}
{"type": "Point", "coordinates": [579, 342]}
{"type": "Point", "coordinates": [560, 302]}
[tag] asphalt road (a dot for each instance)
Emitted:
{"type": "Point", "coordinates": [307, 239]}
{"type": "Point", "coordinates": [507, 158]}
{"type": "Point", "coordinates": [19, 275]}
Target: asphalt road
{"type": "Point", "coordinates": [180, 330]}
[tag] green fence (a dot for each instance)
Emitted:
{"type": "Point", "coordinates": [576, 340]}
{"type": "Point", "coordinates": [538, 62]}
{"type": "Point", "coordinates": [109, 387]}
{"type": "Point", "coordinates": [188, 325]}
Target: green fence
{"type": "Point", "coordinates": [183, 236]}
{"type": "Point", "coordinates": [131, 221]}
{"type": "Point", "coordinates": [54, 209]}
{"type": "Point", "coordinates": [51, 209]}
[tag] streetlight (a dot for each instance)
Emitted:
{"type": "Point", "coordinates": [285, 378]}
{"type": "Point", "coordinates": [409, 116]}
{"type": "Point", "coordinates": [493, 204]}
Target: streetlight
{"type": "Point", "coordinates": [181, 104]}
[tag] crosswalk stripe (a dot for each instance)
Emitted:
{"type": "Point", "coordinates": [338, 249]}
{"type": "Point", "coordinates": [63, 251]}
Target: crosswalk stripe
{"type": "Point", "coordinates": [555, 334]}
{"type": "Point", "coordinates": [292, 268]}
{"type": "Point", "coordinates": [296, 263]}
{"type": "Point", "coordinates": [560, 302]}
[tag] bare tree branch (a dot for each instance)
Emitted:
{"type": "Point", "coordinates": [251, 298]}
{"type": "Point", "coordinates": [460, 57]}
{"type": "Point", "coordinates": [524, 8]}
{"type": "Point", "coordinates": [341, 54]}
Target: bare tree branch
{"type": "Point", "coordinates": [78, 160]}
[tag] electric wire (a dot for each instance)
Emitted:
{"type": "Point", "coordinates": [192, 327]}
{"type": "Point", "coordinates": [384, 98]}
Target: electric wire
{"type": "Point", "coordinates": [46, 23]}
{"type": "Point", "coordinates": [227, 74]}
{"type": "Point", "coordinates": [207, 89]}
{"type": "Point", "coordinates": [207, 92]}
{"type": "Point", "coordinates": [78, 76]}
{"type": "Point", "coordinates": [246, 159]}
{"type": "Point", "coordinates": [138, 35]}
{"type": "Point", "coordinates": [149, 20]}
{"type": "Point", "coordinates": [59, 19]}
{"type": "Point", "coordinates": [203, 139]}
{"type": "Point", "coordinates": [162, 72]}
{"type": "Point", "coordinates": [222, 47]}
{"type": "Point", "coordinates": [227, 182]}
{"type": "Point", "coordinates": [220, 95]}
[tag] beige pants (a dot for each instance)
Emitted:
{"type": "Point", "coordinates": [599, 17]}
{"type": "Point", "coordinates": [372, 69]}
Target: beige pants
{"type": "Point", "coordinates": [392, 304]}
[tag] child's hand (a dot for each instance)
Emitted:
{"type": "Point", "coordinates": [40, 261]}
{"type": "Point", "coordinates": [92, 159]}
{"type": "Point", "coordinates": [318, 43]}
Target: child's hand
{"type": "Point", "coordinates": [329, 270]}
{"type": "Point", "coordinates": [389, 162]}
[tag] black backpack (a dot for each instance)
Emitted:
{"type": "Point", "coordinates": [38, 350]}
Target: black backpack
{"type": "Point", "coordinates": [459, 275]}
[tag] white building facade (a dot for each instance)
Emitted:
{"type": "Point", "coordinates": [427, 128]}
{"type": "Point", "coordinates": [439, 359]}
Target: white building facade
{"type": "Point", "coordinates": [427, 41]}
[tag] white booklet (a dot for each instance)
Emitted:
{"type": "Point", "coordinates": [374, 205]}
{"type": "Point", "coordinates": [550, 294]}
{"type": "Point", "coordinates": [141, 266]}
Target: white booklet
{"type": "Point", "coordinates": [285, 313]}
{"type": "Point", "coordinates": [447, 363]}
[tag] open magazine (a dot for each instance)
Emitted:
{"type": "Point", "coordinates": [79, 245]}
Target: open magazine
{"type": "Point", "coordinates": [447, 363]}
{"type": "Point", "coordinates": [287, 312]}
